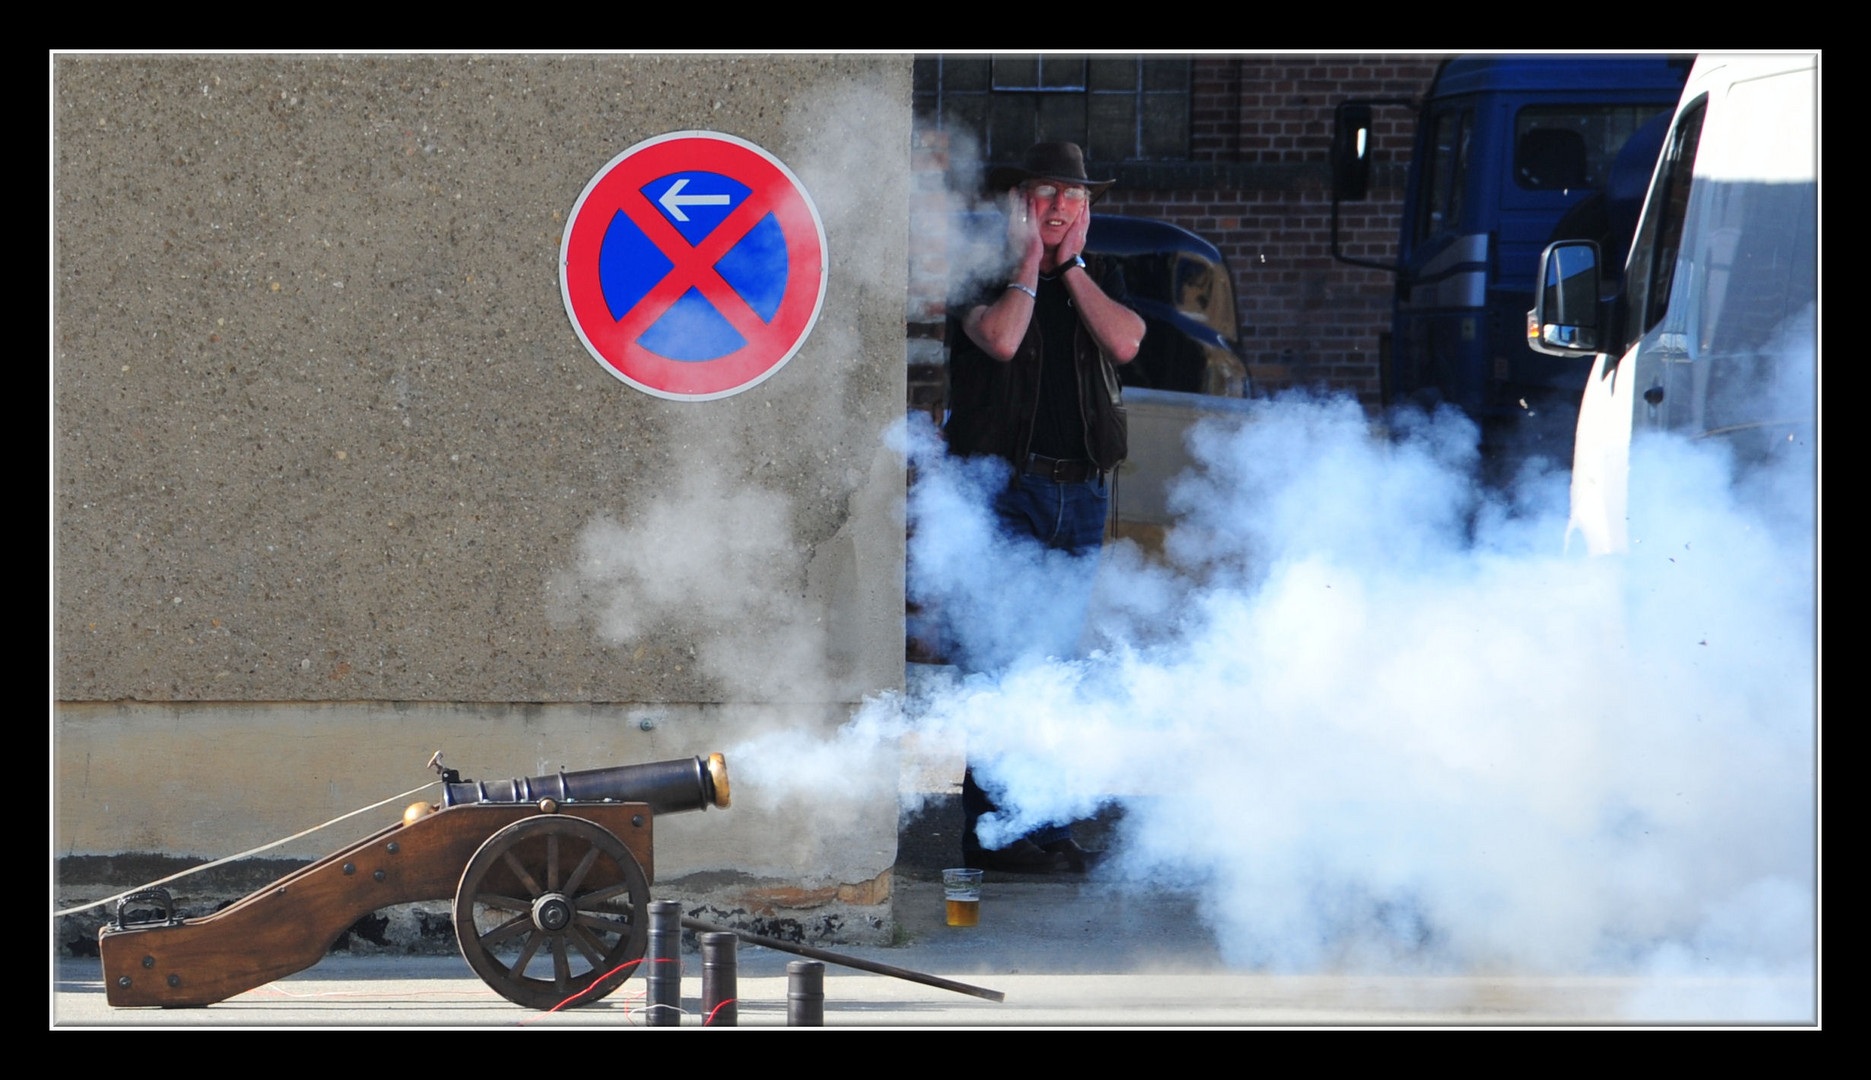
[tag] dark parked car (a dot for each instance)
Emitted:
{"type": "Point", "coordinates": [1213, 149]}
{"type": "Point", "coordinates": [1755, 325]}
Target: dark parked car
{"type": "Point", "coordinates": [1180, 284]}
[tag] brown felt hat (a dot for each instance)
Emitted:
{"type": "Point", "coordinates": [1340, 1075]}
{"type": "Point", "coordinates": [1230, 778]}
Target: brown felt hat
{"type": "Point", "coordinates": [1061, 161]}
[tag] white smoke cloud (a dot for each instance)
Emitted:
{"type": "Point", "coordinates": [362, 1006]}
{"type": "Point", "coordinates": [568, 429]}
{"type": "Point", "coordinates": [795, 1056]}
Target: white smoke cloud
{"type": "Point", "coordinates": [1380, 719]}
{"type": "Point", "coordinates": [1373, 717]}
{"type": "Point", "coordinates": [709, 562]}
{"type": "Point", "coordinates": [969, 220]}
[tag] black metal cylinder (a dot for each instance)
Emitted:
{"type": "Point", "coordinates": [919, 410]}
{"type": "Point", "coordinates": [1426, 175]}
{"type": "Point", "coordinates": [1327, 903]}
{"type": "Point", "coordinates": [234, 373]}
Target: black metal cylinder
{"type": "Point", "coordinates": [663, 982]}
{"type": "Point", "coordinates": [668, 786]}
{"type": "Point", "coordinates": [805, 994]}
{"type": "Point", "coordinates": [720, 973]}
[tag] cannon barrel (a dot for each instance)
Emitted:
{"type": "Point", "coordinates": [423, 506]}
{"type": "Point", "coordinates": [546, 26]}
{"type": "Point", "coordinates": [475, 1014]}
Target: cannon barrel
{"type": "Point", "coordinates": [668, 786]}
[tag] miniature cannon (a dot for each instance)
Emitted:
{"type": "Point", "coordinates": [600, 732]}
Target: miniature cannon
{"type": "Point", "coordinates": [550, 877]}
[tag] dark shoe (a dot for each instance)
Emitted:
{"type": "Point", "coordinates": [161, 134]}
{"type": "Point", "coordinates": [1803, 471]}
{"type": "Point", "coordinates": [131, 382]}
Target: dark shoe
{"type": "Point", "coordinates": [1019, 857]}
{"type": "Point", "coordinates": [1077, 859]}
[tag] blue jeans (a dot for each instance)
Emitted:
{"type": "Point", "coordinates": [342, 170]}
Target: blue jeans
{"type": "Point", "coordinates": [1066, 517]}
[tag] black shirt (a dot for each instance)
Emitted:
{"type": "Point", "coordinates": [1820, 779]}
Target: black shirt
{"type": "Point", "coordinates": [1058, 425]}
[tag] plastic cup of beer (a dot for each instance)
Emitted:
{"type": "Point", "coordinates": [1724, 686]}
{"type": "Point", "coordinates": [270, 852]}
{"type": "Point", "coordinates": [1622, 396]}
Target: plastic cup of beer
{"type": "Point", "coordinates": [962, 890]}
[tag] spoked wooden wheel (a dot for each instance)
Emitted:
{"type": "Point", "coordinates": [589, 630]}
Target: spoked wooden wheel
{"type": "Point", "coordinates": [550, 909]}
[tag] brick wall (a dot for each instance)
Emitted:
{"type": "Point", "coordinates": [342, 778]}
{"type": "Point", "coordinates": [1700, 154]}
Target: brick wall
{"type": "Point", "coordinates": [1258, 186]}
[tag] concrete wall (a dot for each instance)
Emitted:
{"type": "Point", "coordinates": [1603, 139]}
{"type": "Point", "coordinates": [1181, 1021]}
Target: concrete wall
{"type": "Point", "coordinates": [336, 483]}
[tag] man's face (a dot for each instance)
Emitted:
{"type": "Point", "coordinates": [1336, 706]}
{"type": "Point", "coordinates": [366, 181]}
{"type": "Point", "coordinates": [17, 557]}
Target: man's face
{"type": "Point", "coordinates": [1056, 207]}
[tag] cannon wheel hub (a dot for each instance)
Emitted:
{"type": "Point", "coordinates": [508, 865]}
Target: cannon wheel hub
{"type": "Point", "coordinates": [551, 912]}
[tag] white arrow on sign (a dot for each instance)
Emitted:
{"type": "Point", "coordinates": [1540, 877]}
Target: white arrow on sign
{"type": "Point", "coordinates": [673, 200]}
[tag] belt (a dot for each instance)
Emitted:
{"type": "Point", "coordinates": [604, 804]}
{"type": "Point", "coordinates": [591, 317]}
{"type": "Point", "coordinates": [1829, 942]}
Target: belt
{"type": "Point", "coordinates": [1060, 470]}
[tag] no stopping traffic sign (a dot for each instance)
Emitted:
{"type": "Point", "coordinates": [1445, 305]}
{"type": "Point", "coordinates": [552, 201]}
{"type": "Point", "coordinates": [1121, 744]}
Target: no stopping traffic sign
{"type": "Point", "coordinates": [694, 265]}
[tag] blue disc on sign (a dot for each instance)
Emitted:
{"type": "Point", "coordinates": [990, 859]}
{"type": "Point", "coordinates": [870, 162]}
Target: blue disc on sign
{"type": "Point", "coordinates": [630, 265]}
{"type": "Point", "coordinates": [692, 330]}
{"type": "Point", "coordinates": [756, 267]}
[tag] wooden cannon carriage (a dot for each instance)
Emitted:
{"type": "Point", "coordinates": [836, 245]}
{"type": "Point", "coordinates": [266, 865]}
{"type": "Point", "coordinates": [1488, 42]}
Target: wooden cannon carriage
{"type": "Point", "coordinates": [550, 876]}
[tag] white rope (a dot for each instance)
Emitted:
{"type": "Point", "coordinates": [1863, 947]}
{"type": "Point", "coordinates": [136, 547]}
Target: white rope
{"type": "Point", "coordinates": [250, 851]}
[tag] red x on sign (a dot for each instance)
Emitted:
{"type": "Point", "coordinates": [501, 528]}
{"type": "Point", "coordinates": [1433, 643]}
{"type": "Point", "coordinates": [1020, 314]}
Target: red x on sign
{"type": "Point", "coordinates": [694, 265]}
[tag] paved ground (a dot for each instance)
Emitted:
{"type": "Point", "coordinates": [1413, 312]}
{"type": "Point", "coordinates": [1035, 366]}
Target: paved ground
{"type": "Point", "coordinates": [1063, 953]}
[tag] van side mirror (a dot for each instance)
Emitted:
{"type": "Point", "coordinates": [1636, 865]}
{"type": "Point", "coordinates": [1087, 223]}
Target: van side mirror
{"type": "Point", "coordinates": [1565, 316]}
{"type": "Point", "coordinates": [1351, 150]}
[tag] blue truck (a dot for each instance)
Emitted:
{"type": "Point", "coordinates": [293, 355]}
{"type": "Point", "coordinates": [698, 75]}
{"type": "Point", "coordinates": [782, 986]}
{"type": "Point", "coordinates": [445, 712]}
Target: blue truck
{"type": "Point", "coordinates": [1511, 153]}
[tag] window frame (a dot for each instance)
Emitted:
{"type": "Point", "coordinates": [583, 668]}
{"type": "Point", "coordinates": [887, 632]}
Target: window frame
{"type": "Point", "coordinates": [1088, 92]}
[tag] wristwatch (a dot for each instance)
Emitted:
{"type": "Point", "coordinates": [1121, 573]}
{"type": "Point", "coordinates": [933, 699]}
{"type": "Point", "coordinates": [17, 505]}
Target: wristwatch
{"type": "Point", "coordinates": [1079, 261]}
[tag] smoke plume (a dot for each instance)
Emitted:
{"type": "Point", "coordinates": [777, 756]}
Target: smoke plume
{"type": "Point", "coordinates": [1380, 719]}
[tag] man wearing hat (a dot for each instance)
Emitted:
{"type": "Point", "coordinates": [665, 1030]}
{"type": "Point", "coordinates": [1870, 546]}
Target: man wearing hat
{"type": "Point", "coordinates": [1032, 381]}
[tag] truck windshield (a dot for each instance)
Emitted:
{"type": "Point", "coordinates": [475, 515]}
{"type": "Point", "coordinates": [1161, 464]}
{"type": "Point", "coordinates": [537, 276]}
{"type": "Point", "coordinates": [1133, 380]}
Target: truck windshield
{"type": "Point", "coordinates": [1565, 147]}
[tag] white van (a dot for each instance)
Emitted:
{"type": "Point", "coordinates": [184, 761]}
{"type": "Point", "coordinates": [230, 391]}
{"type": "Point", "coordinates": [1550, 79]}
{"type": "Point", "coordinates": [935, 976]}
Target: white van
{"type": "Point", "coordinates": [1713, 335]}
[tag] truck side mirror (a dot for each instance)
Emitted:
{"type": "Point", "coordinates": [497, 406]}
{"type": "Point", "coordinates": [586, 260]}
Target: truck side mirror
{"type": "Point", "coordinates": [1565, 316]}
{"type": "Point", "coordinates": [1351, 150]}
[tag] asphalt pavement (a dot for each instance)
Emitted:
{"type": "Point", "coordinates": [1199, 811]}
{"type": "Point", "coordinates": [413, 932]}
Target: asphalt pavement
{"type": "Point", "coordinates": [1065, 952]}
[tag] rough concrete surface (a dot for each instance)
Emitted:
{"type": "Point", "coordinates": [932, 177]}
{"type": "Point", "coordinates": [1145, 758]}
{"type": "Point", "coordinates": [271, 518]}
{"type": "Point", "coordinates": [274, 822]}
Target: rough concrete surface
{"type": "Point", "coordinates": [323, 429]}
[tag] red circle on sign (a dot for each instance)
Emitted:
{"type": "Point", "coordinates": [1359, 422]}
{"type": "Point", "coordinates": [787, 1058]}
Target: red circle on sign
{"type": "Point", "coordinates": [613, 338]}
